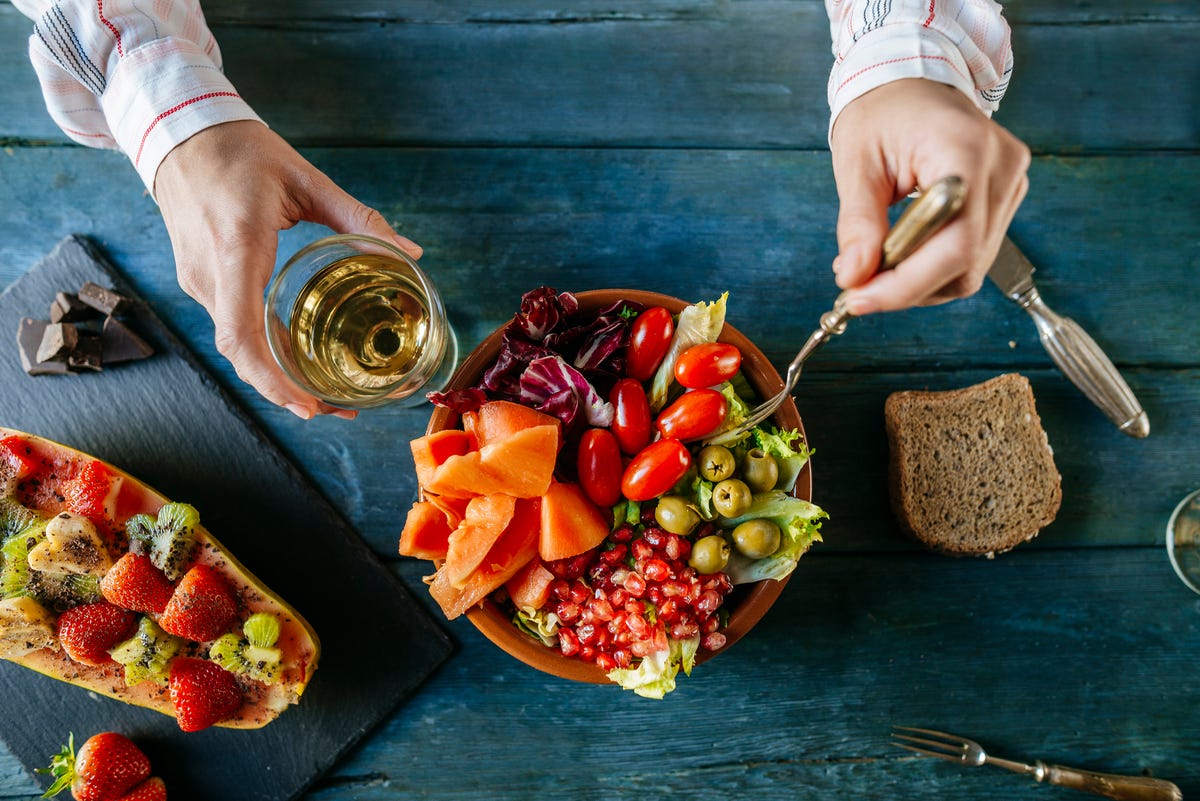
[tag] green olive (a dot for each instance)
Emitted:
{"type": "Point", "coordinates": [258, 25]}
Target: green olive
{"type": "Point", "coordinates": [710, 554]}
{"type": "Point", "coordinates": [674, 515]}
{"type": "Point", "coordinates": [757, 538]}
{"type": "Point", "coordinates": [716, 463]}
{"type": "Point", "coordinates": [731, 497]}
{"type": "Point", "coordinates": [760, 470]}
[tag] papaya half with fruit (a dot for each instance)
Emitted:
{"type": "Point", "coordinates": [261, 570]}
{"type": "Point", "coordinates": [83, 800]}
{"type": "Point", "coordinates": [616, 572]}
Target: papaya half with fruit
{"type": "Point", "coordinates": [107, 585]}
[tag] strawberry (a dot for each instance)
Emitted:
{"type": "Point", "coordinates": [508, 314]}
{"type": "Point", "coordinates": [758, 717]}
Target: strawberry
{"type": "Point", "coordinates": [19, 456]}
{"type": "Point", "coordinates": [152, 789]}
{"type": "Point", "coordinates": [107, 766]}
{"type": "Point", "coordinates": [93, 493]}
{"type": "Point", "coordinates": [135, 583]}
{"type": "Point", "coordinates": [202, 608]}
{"type": "Point", "coordinates": [203, 693]}
{"type": "Point", "coordinates": [87, 632]}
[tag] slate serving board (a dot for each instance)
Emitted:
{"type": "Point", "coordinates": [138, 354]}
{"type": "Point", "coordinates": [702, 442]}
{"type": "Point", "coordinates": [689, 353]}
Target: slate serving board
{"type": "Point", "coordinates": [167, 422]}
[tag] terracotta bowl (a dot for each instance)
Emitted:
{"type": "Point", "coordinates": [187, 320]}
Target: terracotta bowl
{"type": "Point", "coordinates": [746, 604]}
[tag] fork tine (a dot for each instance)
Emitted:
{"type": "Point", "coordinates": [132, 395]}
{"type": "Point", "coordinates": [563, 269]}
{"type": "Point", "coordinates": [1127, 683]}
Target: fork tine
{"type": "Point", "coordinates": [927, 752]}
{"type": "Point", "coordinates": [949, 747]}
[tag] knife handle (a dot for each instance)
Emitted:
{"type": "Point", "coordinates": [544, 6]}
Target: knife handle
{"type": "Point", "coordinates": [1082, 360]}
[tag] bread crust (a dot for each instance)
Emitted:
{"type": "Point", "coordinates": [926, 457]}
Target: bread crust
{"type": "Point", "coordinates": [971, 471]}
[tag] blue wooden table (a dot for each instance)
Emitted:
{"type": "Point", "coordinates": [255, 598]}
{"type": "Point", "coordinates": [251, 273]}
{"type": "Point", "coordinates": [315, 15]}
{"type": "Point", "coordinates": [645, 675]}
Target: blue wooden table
{"type": "Point", "coordinates": [679, 146]}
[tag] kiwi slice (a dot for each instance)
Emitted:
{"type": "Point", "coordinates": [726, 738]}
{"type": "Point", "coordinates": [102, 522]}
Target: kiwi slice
{"type": "Point", "coordinates": [168, 539]}
{"type": "Point", "coordinates": [146, 654]}
{"type": "Point", "coordinates": [252, 655]}
{"type": "Point", "coordinates": [15, 573]}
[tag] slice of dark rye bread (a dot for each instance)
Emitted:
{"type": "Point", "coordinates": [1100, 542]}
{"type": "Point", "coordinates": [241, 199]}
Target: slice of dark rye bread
{"type": "Point", "coordinates": [972, 471]}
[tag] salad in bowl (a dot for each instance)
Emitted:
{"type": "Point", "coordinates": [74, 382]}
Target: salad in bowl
{"type": "Point", "coordinates": [584, 500]}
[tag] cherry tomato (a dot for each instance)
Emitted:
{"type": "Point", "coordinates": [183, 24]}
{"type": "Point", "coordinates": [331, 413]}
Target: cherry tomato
{"type": "Point", "coordinates": [632, 422]}
{"type": "Point", "coordinates": [655, 470]}
{"type": "Point", "coordinates": [707, 365]}
{"type": "Point", "coordinates": [649, 339]}
{"type": "Point", "coordinates": [600, 468]}
{"type": "Point", "coordinates": [693, 415]}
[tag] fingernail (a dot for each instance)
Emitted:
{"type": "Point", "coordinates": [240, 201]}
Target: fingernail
{"type": "Point", "coordinates": [858, 306]}
{"type": "Point", "coordinates": [301, 411]}
{"type": "Point", "coordinates": [345, 414]}
{"type": "Point", "coordinates": [837, 264]}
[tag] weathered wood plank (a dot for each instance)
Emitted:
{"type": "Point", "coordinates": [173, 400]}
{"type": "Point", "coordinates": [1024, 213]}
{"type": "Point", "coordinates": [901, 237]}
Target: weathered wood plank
{"type": "Point", "coordinates": [733, 75]}
{"type": "Point", "coordinates": [583, 219]}
{"type": "Point", "coordinates": [802, 708]}
{"type": "Point", "coordinates": [1006, 651]}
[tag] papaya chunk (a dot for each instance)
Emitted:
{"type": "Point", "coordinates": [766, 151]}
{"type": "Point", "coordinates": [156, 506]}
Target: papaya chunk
{"type": "Point", "coordinates": [496, 421]}
{"type": "Point", "coordinates": [432, 450]}
{"type": "Point", "coordinates": [517, 545]}
{"type": "Point", "coordinates": [455, 509]}
{"type": "Point", "coordinates": [486, 519]}
{"type": "Point", "coordinates": [529, 588]}
{"type": "Point", "coordinates": [524, 462]}
{"type": "Point", "coordinates": [426, 532]}
{"type": "Point", "coordinates": [571, 524]}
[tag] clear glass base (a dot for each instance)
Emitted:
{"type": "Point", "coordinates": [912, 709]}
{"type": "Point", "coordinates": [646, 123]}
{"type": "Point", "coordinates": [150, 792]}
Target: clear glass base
{"type": "Point", "coordinates": [1183, 541]}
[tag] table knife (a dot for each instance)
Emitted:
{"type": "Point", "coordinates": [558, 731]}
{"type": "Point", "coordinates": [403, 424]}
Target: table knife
{"type": "Point", "coordinates": [1075, 353]}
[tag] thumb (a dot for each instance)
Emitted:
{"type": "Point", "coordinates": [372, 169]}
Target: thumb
{"type": "Point", "coordinates": [864, 196]}
{"type": "Point", "coordinates": [330, 205]}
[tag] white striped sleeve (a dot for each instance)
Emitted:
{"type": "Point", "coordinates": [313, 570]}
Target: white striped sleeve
{"type": "Point", "coordinates": [963, 43]}
{"type": "Point", "coordinates": [139, 77]}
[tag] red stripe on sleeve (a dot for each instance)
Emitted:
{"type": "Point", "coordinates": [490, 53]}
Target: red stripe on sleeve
{"type": "Point", "coordinates": [171, 111]}
{"type": "Point", "coordinates": [108, 24]}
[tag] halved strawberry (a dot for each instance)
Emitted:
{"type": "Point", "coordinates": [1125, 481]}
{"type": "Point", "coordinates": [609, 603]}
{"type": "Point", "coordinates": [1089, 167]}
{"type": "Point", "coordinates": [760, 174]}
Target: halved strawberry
{"type": "Point", "coordinates": [152, 789]}
{"type": "Point", "coordinates": [93, 493]}
{"type": "Point", "coordinates": [19, 455]}
{"type": "Point", "coordinates": [135, 583]}
{"type": "Point", "coordinates": [203, 693]}
{"type": "Point", "coordinates": [202, 607]}
{"type": "Point", "coordinates": [107, 765]}
{"type": "Point", "coordinates": [87, 632]}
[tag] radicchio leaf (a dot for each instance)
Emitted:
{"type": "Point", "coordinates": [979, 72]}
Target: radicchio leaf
{"type": "Point", "coordinates": [602, 343]}
{"type": "Point", "coordinates": [542, 310]}
{"type": "Point", "coordinates": [459, 400]}
{"type": "Point", "coordinates": [546, 378]}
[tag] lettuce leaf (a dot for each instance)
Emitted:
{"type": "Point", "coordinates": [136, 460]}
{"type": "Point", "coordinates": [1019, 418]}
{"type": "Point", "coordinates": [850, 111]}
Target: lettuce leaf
{"type": "Point", "coordinates": [739, 410]}
{"type": "Point", "coordinates": [800, 524]}
{"type": "Point", "coordinates": [699, 323]}
{"type": "Point", "coordinates": [654, 677]}
{"type": "Point", "coordinates": [790, 450]}
{"type": "Point", "coordinates": [541, 624]}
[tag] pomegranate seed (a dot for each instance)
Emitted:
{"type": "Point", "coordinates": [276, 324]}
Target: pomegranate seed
{"type": "Point", "coordinates": [637, 625]}
{"type": "Point", "coordinates": [587, 653]}
{"type": "Point", "coordinates": [622, 657]}
{"type": "Point", "coordinates": [660, 639]}
{"type": "Point", "coordinates": [602, 609]}
{"type": "Point", "coordinates": [623, 534]}
{"type": "Point", "coordinates": [654, 537]}
{"type": "Point", "coordinates": [655, 595]}
{"type": "Point", "coordinates": [580, 592]}
{"type": "Point", "coordinates": [668, 610]}
{"type": "Point", "coordinates": [642, 550]}
{"type": "Point", "coordinates": [709, 601]}
{"type": "Point", "coordinates": [713, 642]}
{"type": "Point", "coordinates": [710, 624]}
{"type": "Point", "coordinates": [599, 573]}
{"type": "Point", "coordinates": [619, 596]}
{"type": "Point", "coordinates": [635, 585]}
{"type": "Point", "coordinates": [614, 555]}
{"type": "Point", "coordinates": [642, 648]}
{"type": "Point", "coordinates": [657, 570]}
{"type": "Point", "coordinates": [568, 643]}
{"type": "Point", "coordinates": [685, 549]}
{"type": "Point", "coordinates": [674, 588]}
{"type": "Point", "coordinates": [605, 662]}
{"type": "Point", "coordinates": [684, 630]}
{"type": "Point", "coordinates": [672, 547]}
{"type": "Point", "coordinates": [560, 589]}
{"type": "Point", "coordinates": [567, 612]}
{"type": "Point", "coordinates": [688, 573]}
{"type": "Point", "coordinates": [587, 632]}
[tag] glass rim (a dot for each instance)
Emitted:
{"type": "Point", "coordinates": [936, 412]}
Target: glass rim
{"type": "Point", "coordinates": [284, 359]}
{"type": "Point", "coordinates": [1187, 501]}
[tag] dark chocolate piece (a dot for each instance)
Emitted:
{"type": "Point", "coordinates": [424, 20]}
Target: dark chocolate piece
{"type": "Point", "coordinates": [29, 339]}
{"type": "Point", "coordinates": [68, 308]}
{"type": "Point", "coordinates": [86, 355]}
{"type": "Point", "coordinates": [121, 344]}
{"type": "Point", "coordinates": [101, 299]}
{"type": "Point", "coordinates": [58, 340]}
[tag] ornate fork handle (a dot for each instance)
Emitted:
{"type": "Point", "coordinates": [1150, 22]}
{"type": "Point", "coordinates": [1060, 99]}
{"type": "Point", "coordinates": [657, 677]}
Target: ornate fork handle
{"type": "Point", "coordinates": [1123, 788]}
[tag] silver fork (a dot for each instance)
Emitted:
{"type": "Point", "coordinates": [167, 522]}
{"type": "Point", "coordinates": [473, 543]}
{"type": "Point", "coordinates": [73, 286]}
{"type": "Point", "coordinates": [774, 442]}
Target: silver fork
{"type": "Point", "coordinates": [969, 752]}
{"type": "Point", "coordinates": [931, 209]}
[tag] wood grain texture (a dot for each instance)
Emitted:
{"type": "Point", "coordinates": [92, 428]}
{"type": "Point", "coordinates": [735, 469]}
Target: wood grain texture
{"type": "Point", "coordinates": [730, 75]}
